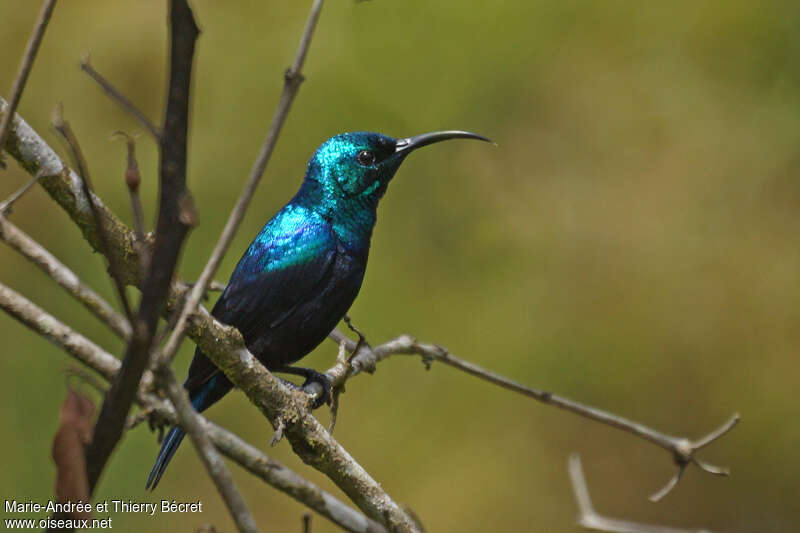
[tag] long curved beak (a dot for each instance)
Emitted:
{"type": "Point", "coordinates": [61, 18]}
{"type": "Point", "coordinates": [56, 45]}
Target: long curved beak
{"type": "Point", "coordinates": [418, 141]}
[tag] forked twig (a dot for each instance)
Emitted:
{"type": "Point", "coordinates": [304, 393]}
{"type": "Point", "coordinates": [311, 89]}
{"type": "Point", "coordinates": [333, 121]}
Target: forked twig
{"type": "Point", "coordinates": [590, 519]}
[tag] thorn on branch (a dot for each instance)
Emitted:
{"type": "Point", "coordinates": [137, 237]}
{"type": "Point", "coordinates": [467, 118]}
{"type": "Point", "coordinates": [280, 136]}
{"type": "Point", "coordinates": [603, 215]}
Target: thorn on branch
{"type": "Point", "coordinates": [588, 518]}
{"type": "Point", "coordinates": [683, 455]}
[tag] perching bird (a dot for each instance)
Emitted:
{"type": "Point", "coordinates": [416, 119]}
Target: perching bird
{"type": "Point", "coordinates": [303, 270]}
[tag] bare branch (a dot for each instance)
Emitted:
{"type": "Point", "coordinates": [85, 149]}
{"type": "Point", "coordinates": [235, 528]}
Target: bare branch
{"type": "Point", "coordinates": [64, 129]}
{"type": "Point", "coordinates": [171, 230]}
{"type": "Point", "coordinates": [62, 275]}
{"type": "Point", "coordinates": [292, 80]}
{"type": "Point", "coordinates": [120, 98]}
{"type": "Point", "coordinates": [365, 358]}
{"type": "Point", "coordinates": [66, 188]}
{"type": "Point", "coordinates": [249, 457]}
{"type": "Point", "coordinates": [58, 333]}
{"type": "Point", "coordinates": [222, 344]}
{"type": "Point", "coordinates": [194, 425]}
{"type": "Point", "coordinates": [277, 475]}
{"type": "Point", "coordinates": [24, 69]}
{"type": "Point", "coordinates": [590, 519]}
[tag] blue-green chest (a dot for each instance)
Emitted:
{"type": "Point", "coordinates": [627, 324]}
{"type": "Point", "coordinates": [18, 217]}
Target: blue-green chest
{"type": "Point", "coordinates": [298, 235]}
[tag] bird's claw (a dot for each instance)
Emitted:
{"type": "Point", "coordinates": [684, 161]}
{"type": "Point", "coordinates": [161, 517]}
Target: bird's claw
{"type": "Point", "coordinates": [323, 381]}
{"type": "Point", "coordinates": [312, 377]}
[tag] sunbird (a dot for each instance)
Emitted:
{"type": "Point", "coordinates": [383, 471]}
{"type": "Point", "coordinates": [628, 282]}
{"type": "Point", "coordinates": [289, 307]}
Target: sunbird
{"type": "Point", "coordinates": [303, 270]}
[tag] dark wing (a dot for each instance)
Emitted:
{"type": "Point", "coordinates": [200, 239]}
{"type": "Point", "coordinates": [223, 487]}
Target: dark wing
{"type": "Point", "coordinates": [281, 270]}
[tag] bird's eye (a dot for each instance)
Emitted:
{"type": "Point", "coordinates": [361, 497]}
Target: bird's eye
{"type": "Point", "coordinates": [365, 157]}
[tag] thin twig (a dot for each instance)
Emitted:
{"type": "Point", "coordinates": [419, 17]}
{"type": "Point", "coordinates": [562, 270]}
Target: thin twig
{"type": "Point", "coordinates": [588, 518]}
{"type": "Point", "coordinates": [365, 358]}
{"type": "Point", "coordinates": [232, 446]}
{"type": "Point", "coordinates": [292, 80]}
{"type": "Point", "coordinates": [24, 69]}
{"type": "Point", "coordinates": [194, 426]}
{"type": "Point", "coordinates": [65, 130]}
{"type": "Point", "coordinates": [5, 205]}
{"type": "Point", "coordinates": [61, 274]}
{"type": "Point", "coordinates": [120, 98]}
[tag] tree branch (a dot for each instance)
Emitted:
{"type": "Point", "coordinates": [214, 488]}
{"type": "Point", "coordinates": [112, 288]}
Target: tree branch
{"type": "Point", "coordinates": [62, 275]}
{"type": "Point", "coordinates": [24, 69]}
{"type": "Point", "coordinates": [33, 153]}
{"type": "Point", "coordinates": [250, 458]}
{"type": "Point", "coordinates": [292, 80]}
{"type": "Point", "coordinates": [58, 333]}
{"type": "Point", "coordinates": [194, 425]}
{"type": "Point", "coordinates": [220, 343]}
{"type": "Point", "coordinates": [65, 187]}
{"type": "Point", "coordinates": [171, 230]}
{"type": "Point", "coordinates": [366, 358]}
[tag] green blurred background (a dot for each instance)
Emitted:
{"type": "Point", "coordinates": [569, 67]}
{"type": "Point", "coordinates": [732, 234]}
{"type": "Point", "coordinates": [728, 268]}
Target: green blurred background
{"type": "Point", "coordinates": [632, 242]}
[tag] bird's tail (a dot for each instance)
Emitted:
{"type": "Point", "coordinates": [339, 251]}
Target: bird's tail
{"type": "Point", "coordinates": [168, 449]}
{"type": "Point", "coordinates": [211, 391]}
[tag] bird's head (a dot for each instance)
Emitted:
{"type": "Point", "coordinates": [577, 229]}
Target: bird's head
{"type": "Point", "coordinates": [355, 168]}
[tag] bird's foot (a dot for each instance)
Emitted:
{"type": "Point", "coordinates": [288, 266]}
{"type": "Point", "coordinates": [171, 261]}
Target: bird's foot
{"type": "Point", "coordinates": [312, 377]}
